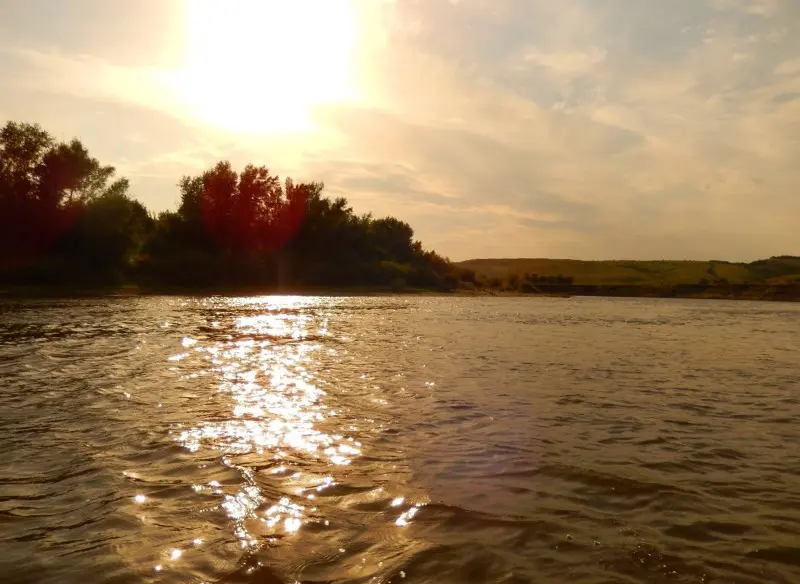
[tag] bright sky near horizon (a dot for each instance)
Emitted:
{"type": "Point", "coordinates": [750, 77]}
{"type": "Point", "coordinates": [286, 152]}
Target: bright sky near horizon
{"type": "Point", "coordinates": [592, 129]}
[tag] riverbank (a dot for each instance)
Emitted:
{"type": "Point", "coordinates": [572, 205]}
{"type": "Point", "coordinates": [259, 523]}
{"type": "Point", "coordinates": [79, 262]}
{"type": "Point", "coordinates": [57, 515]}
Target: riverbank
{"type": "Point", "coordinates": [126, 290]}
{"type": "Point", "coordinates": [762, 292]}
{"type": "Point", "coordinates": [779, 293]}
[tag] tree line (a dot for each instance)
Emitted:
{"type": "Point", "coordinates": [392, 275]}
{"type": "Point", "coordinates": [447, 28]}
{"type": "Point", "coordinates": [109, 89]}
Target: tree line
{"type": "Point", "coordinates": [67, 219]}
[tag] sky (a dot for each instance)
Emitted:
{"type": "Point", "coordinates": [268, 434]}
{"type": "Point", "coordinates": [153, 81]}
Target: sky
{"type": "Point", "coordinates": [588, 129]}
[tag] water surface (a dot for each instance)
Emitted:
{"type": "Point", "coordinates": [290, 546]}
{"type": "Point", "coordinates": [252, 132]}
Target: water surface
{"type": "Point", "coordinates": [261, 440]}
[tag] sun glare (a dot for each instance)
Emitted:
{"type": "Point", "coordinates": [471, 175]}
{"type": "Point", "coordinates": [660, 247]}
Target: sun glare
{"type": "Point", "coordinates": [260, 66]}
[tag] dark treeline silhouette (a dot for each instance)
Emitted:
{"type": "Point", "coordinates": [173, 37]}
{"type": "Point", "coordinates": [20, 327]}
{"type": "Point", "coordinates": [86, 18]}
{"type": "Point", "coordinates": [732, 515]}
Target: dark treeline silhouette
{"type": "Point", "coordinates": [67, 223]}
{"type": "Point", "coordinates": [65, 219]}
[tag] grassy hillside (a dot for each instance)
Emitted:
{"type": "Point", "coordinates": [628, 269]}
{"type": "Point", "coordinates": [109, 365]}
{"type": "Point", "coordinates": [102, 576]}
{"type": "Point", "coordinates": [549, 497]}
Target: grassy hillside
{"type": "Point", "coordinates": [776, 270]}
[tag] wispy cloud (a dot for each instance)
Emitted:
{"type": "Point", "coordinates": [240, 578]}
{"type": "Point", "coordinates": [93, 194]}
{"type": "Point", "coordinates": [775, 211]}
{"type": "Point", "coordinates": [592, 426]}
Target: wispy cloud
{"type": "Point", "coordinates": [569, 63]}
{"type": "Point", "coordinates": [86, 76]}
{"type": "Point", "coordinates": [505, 127]}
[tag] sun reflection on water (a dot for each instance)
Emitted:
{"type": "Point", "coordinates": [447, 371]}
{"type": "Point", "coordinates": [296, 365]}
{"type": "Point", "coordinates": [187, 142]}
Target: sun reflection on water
{"type": "Point", "coordinates": [268, 418]}
{"type": "Point", "coordinates": [407, 516]}
{"type": "Point", "coordinates": [275, 409]}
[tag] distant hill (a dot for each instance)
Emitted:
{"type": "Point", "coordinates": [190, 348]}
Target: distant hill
{"type": "Point", "coordinates": [775, 270]}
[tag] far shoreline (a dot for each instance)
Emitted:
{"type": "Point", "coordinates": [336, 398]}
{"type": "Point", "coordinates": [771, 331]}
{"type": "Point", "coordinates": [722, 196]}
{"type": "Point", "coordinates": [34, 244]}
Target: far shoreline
{"type": "Point", "coordinates": [769, 293]}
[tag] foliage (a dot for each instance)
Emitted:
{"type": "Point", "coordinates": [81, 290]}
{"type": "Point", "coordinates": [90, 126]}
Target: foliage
{"type": "Point", "coordinates": [66, 219]}
{"type": "Point", "coordinates": [282, 233]}
{"type": "Point", "coordinates": [513, 281]}
{"type": "Point", "coordinates": [61, 211]}
{"type": "Point", "coordinates": [634, 273]}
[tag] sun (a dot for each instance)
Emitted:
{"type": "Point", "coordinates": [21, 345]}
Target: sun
{"type": "Point", "coordinates": [261, 66]}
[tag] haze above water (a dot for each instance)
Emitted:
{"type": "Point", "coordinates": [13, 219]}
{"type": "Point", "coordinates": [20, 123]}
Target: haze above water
{"type": "Point", "coordinates": [399, 440]}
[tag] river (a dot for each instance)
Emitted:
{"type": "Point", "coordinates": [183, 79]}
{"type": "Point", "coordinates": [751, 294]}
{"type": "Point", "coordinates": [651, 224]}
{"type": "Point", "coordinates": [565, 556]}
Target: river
{"type": "Point", "coordinates": [399, 439]}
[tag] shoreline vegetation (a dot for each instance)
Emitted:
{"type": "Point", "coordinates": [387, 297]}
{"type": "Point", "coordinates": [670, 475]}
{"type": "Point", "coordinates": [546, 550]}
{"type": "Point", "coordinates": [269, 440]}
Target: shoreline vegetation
{"type": "Point", "coordinates": [68, 227]}
{"type": "Point", "coordinates": [783, 293]}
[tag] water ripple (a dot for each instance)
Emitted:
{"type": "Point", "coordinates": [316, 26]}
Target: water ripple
{"type": "Point", "coordinates": [377, 440]}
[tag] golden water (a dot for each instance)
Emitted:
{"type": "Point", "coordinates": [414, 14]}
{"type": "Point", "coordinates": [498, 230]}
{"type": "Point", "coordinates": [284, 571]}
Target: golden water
{"type": "Point", "coordinates": [399, 440]}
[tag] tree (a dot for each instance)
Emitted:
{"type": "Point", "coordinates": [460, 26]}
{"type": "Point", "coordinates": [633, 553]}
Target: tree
{"type": "Point", "coordinates": [64, 218]}
{"type": "Point", "coordinates": [44, 190]}
{"type": "Point", "coordinates": [393, 238]}
{"type": "Point", "coordinates": [68, 175]}
{"type": "Point", "coordinates": [22, 149]}
{"type": "Point", "coordinates": [110, 233]}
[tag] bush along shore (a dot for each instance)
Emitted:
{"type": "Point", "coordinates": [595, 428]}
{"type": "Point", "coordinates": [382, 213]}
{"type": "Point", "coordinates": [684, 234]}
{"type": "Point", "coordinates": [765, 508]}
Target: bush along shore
{"type": "Point", "coordinates": [68, 223]}
{"type": "Point", "coordinates": [68, 226]}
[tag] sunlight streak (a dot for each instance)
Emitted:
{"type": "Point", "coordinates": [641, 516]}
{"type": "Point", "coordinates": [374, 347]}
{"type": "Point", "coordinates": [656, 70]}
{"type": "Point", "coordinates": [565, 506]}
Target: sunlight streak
{"type": "Point", "coordinates": [275, 410]}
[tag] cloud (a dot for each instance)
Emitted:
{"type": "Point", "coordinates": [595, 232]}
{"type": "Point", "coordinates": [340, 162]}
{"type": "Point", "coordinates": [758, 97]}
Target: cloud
{"type": "Point", "coordinates": [508, 127]}
{"type": "Point", "coordinates": [567, 63]}
{"type": "Point", "coordinates": [698, 138]}
{"type": "Point", "coordinates": [789, 68]}
{"type": "Point", "coordinates": [87, 77]}
{"type": "Point", "coordinates": [762, 8]}
{"type": "Point", "coordinates": [786, 97]}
